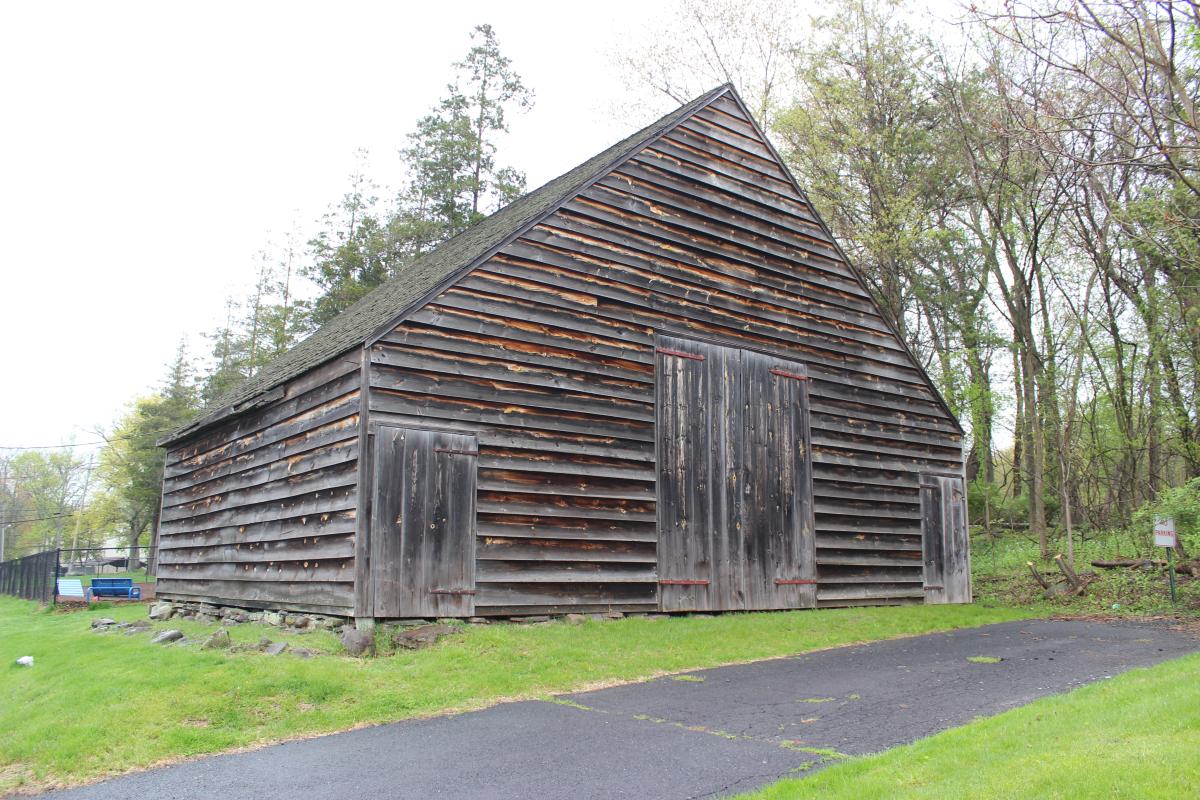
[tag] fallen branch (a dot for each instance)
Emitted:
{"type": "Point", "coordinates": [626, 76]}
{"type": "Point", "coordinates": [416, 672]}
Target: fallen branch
{"type": "Point", "coordinates": [1129, 563]}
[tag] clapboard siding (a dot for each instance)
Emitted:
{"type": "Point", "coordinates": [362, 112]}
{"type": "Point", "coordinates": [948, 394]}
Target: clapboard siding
{"type": "Point", "coordinates": [549, 345]}
{"type": "Point", "coordinates": [261, 511]}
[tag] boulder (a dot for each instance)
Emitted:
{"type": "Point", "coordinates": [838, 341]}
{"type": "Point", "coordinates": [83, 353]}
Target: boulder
{"type": "Point", "coordinates": [218, 640]}
{"type": "Point", "coordinates": [161, 611]}
{"type": "Point", "coordinates": [416, 638]}
{"type": "Point", "coordinates": [575, 619]}
{"type": "Point", "coordinates": [166, 637]}
{"type": "Point", "coordinates": [103, 622]}
{"type": "Point", "coordinates": [272, 618]}
{"type": "Point", "coordinates": [358, 643]}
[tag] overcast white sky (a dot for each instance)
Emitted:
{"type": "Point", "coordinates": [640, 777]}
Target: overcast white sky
{"type": "Point", "coordinates": [149, 150]}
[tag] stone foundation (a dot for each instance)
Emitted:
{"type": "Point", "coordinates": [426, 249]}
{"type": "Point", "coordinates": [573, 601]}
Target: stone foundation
{"type": "Point", "coordinates": [208, 614]}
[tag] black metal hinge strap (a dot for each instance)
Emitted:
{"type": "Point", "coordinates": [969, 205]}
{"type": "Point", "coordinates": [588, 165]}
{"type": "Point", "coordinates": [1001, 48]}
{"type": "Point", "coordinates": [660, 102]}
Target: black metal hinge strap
{"type": "Point", "coordinates": [452, 591]}
{"type": "Point", "coordinates": [795, 582]}
{"type": "Point", "coordinates": [456, 452]}
{"type": "Point", "coordinates": [785, 374]}
{"type": "Point", "coordinates": [683, 583]}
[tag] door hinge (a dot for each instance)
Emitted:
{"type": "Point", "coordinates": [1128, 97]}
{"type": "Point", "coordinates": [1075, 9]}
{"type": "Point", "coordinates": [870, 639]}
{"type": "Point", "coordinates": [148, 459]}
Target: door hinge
{"type": "Point", "coordinates": [783, 373]}
{"type": "Point", "coordinates": [680, 354]}
{"type": "Point", "coordinates": [456, 452]}
{"type": "Point", "coordinates": [683, 583]}
{"type": "Point", "coordinates": [795, 582]}
{"type": "Point", "coordinates": [935, 587]}
{"type": "Point", "coordinates": [452, 591]}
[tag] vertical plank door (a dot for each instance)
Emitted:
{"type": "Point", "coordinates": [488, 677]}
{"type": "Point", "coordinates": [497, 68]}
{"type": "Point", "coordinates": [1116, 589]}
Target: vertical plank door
{"type": "Point", "coordinates": [686, 440]}
{"type": "Point", "coordinates": [777, 513]}
{"type": "Point", "coordinates": [423, 523]}
{"type": "Point", "coordinates": [735, 516]}
{"type": "Point", "coordinates": [944, 539]}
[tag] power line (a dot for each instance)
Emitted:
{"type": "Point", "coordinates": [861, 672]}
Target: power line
{"type": "Point", "coordinates": [85, 444]}
{"type": "Point", "coordinates": [38, 519]}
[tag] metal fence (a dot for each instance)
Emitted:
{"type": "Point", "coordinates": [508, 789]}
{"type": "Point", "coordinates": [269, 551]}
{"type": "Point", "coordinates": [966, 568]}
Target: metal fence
{"type": "Point", "coordinates": [31, 577]}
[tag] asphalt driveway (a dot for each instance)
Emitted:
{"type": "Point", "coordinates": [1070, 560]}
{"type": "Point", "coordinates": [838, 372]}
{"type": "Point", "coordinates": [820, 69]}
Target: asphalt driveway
{"type": "Point", "coordinates": [712, 733]}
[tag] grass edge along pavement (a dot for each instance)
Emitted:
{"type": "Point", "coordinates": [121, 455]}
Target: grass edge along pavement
{"type": "Point", "coordinates": [1133, 736]}
{"type": "Point", "coordinates": [174, 702]}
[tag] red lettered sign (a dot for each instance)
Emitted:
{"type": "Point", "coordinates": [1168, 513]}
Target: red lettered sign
{"type": "Point", "coordinates": [1164, 532]}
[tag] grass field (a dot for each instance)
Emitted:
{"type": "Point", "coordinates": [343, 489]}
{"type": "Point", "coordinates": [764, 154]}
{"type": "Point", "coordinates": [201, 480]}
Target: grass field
{"type": "Point", "coordinates": [1136, 736]}
{"type": "Point", "coordinates": [57, 718]}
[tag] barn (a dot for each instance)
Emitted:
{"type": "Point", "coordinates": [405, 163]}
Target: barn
{"type": "Point", "coordinates": [653, 384]}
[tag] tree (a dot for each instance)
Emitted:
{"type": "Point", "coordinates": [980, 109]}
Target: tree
{"type": "Point", "coordinates": [43, 489]}
{"type": "Point", "coordinates": [130, 468]}
{"type": "Point", "coordinates": [748, 43]}
{"type": "Point", "coordinates": [453, 181]}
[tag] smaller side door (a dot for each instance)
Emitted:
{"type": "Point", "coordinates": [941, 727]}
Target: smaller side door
{"type": "Point", "coordinates": [423, 523]}
{"type": "Point", "coordinates": [945, 544]}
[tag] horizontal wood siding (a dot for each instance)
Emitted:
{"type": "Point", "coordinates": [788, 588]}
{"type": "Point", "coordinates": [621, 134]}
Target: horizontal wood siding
{"type": "Point", "coordinates": [546, 353]}
{"type": "Point", "coordinates": [260, 510]}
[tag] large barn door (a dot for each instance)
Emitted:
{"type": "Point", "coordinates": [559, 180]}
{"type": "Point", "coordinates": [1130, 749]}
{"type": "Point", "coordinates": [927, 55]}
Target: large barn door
{"type": "Point", "coordinates": [423, 523]}
{"type": "Point", "coordinates": [734, 486]}
{"type": "Point", "coordinates": [944, 541]}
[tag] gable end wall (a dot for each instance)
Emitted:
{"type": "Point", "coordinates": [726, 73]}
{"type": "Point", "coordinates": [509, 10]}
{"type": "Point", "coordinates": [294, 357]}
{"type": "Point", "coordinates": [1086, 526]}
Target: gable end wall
{"type": "Point", "coordinates": [546, 351]}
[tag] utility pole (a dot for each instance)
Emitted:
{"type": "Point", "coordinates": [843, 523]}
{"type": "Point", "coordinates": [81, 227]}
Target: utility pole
{"type": "Point", "coordinates": [87, 482]}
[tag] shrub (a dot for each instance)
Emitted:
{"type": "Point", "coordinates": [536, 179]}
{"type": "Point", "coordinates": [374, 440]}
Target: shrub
{"type": "Point", "coordinates": [1182, 503]}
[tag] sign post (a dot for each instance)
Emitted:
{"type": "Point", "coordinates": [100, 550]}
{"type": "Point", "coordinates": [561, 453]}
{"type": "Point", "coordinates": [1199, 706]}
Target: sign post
{"type": "Point", "coordinates": [1164, 536]}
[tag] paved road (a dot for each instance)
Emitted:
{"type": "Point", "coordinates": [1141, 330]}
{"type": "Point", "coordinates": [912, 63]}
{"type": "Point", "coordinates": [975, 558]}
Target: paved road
{"type": "Point", "coordinates": [725, 730]}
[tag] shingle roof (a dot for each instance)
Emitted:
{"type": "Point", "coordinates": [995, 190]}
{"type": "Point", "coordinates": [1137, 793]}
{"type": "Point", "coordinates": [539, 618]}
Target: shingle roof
{"type": "Point", "coordinates": [417, 283]}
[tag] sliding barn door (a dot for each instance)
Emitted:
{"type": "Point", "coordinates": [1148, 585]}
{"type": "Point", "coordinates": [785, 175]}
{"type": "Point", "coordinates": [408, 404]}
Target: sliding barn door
{"type": "Point", "coordinates": [734, 480]}
{"type": "Point", "coordinates": [423, 523]}
{"type": "Point", "coordinates": [944, 541]}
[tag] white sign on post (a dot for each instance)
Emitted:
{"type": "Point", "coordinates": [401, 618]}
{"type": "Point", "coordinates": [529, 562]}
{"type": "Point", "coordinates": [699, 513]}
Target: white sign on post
{"type": "Point", "coordinates": [1164, 532]}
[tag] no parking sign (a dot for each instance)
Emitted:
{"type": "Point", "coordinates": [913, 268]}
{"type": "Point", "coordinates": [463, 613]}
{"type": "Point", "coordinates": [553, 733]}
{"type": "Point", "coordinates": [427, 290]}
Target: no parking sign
{"type": "Point", "coordinates": [1164, 536]}
{"type": "Point", "coordinates": [1164, 533]}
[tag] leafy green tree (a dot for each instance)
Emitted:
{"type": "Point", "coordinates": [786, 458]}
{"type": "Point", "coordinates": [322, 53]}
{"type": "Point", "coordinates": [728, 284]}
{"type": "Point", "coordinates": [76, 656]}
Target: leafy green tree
{"type": "Point", "coordinates": [454, 180]}
{"type": "Point", "coordinates": [42, 490]}
{"type": "Point", "coordinates": [130, 468]}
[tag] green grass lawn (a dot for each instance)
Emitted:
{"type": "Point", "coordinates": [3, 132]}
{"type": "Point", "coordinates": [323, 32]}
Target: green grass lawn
{"type": "Point", "coordinates": [57, 719]}
{"type": "Point", "coordinates": [1136, 736]}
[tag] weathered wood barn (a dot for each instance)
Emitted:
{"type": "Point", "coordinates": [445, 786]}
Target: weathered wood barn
{"type": "Point", "coordinates": [655, 383]}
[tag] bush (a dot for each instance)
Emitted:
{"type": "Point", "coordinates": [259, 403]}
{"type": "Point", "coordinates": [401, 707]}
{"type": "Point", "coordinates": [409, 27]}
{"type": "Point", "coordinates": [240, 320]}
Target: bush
{"type": "Point", "coordinates": [1182, 503]}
